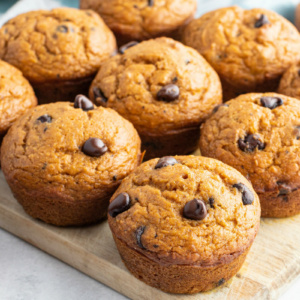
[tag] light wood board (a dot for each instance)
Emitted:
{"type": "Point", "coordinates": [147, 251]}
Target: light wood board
{"type": "Point", "coordinates": [272, 264]}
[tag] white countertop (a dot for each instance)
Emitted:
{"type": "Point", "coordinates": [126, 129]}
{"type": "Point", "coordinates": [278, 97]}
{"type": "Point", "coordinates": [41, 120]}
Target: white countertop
{"type": "Point", "coordinates": [27, 273]}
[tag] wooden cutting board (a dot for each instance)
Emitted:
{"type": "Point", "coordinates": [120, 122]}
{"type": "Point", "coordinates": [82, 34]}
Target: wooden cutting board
{"type": "Point", "coordinates": [273, 262]}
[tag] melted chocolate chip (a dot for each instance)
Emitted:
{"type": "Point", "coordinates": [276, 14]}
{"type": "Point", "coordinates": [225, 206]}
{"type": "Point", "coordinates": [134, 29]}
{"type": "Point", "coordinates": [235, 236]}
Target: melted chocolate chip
{"type": "Point", "coordinates": [247, 195]}
{"type": "Point", "coordinates": [216, 108]}
{"type": "Point", "coordinates": [45, 118]}
{"type": "Point", "coordinates": [99, 96]}
{"type": "Point", "coordinates": [175, 79]}
{"type": "Point", "coordinates": [220, 282]}
{"type": "Point", "coordinates": [139, 232]}
{"type": "Point", "coordinates": [83, 102]}
{"type": "Point", "coordinates": [155, 246]}
{"type": "Point", "coordinates": [211, 202]}
{"type": "Point", "coordinates": [271, 102]}
{"type": "Point", "coordinates": [120, 204]}
{"type": "Point", "coordinates": [168, 93]}
{"type": "Point", "coordinates": [150, 2]}
{"type": "Point", "coordinates": [62, 28]}
{"type": "Point", "coordinates": [284, 189]}
{"type": "Point", "coordinates": [94, 147]}
{"type": "Point", "coordinates": [114, 178]}
{"type": "Point", "coordinates": [263, 20]}
{"type": "Point", "coordinates": [195, 210]}
{"type": "Point", "coordinates": [165, 161]}
{"type": "Point", "coordinates": [250, 142]}
{"type": "Point", "coordinates": [126, 46]}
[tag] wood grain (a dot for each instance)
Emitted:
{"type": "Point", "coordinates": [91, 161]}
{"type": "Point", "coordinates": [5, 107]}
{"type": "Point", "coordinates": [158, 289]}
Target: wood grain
{"type": "Point", "coordinates": [272, 264]}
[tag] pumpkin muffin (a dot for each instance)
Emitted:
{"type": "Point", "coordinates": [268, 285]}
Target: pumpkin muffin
{"type": "Point", "coordinates": [250, 49]}
{"type": "Point", "coordinates": [184, 224]}
{"type": "Point", "coordinates": [259, 135]}
{"type": "Point", "coordinates": [16, 96]}
{"type": "Point", "coordinates": [164, 89]}
{"type": "Point", "coordinates": [58, 51]}
{"type": "Point", "coordinates": [290, 82]}
{"type": "Point", "coordinates": [63, 161]}
{"type": "Point", "coordinates": [143, 19]}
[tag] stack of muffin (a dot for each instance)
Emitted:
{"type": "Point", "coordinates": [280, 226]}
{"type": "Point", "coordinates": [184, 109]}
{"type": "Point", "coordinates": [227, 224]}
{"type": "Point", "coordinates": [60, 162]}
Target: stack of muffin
{"type": "Point", "coordinates": [183, 223]}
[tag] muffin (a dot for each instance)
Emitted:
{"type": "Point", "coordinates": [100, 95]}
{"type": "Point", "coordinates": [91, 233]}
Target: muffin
{"type": "Point", "coordinates": [16, 96]}
{"type": "Point", "coordinates": [259, 135]}
{"type": "Point", "coordinates": [58, 51]}
{"type": "Point", "coordinates": [63, 161]}
{"type": "Point", "coordinates": [250, 49]}
{"type": "Point", "coordinates": [290, 82]}
{"type": "Point", "coordinates": [141, 20]}
{"type": "Point", "coordinates": [164, 88]}
{"type": "Point", "coordinates": [184, 224]}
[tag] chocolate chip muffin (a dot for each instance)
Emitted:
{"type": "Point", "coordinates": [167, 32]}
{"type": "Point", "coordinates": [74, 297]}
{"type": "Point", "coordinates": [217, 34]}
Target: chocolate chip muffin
{"type": "Point", "coordinates": [16, 96]}
{"type": "Point", "coordinates": [258, 134]}
{"type": "Point", "coordinates": [290, 82]}
{"type": "Point", "coordinates": [63, 161]}
{"type": "Point", "coordinates": [184, 224]}
{"type": "Point", "coordinates": [143, 19]}
{"type": "Point", "coordinates": [58, 51]}
{"type": "Point", "coordinates": [250, 49]}
{"type": "Point", "coordinates": [164, 88]}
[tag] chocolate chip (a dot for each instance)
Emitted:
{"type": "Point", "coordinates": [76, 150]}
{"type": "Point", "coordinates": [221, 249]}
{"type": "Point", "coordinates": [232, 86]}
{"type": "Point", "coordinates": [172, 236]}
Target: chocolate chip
{"type": "Point", "coordinates": [94, 147]}
{"type": "Point", "coordinates": [250, 142]}
{"type": "Point", "coordinates": [195, 210]}
{"type": "Point", "coordinates": [168, 93]}
{"type": "Point", "coordinates": [284, 189]}
{"type": "Point", "coordinates": [150, 2]}
{"type": "Point", "coordinates": [247, 195]}
{"type": "Point", "coordinates": [271, 102]}
{"type": "Point", "coordinates": [211, 202]}
{"type": "Point", "coordinates": [45, 118]}
{"type": "Point", "coordinates": [45, 129]}
{"type": "Point", "coordinates": [139, 232]}
{"type": "Point", "coordinates": [220, 282]}
{"type": "Point", "coordinates": [187, 61]}
{"type": "Point", "coordinates": [99, 96]}
{"type": "Point", "coordinates": [216, 108]}
{"type": "Point", "coordinates": [83, 102]}
{"type": "Point", "coordinates": [114, 178]}
{"type": "Point", "coordinates": [120, 204]}
{"type": "Point", "coordinates": [62, 28]}
{"type": "Point", "coordinates": [126, 46]}
{"type": "Point", "coordinates": [155, 246]}
{"type": "Point", "coordinates": [263, 20]}
{"type": "Point", "coordinates": [175, 79]}
{"type": "Point", "coordinates": [44, 166]}
{"type": "Point", "coordinates": [165, 161]}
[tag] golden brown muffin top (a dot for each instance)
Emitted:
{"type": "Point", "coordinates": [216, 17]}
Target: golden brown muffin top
{"type": "Point", "coordinates": [130, 83]}
{"type": "Point", "coordinates": [290, 82]}
{"type": "Point", "coordinates": [142, 19]}
{"type": "Point", "coordinates": [245, 47]}
{"type": "Point", "coordinates": [44, 152]}
{"type": "Point", "coordinates": [16, 95]}
{"type": "Point", "coordinates": [154, 222]}
{"type": "Point", "coordinates": [258, 134]}
{"type": "Point", "coordinates": [60, 44]}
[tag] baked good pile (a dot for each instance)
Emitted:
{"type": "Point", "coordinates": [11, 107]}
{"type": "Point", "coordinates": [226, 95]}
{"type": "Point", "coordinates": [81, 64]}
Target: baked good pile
{"type": "Point", "coordinates": [103, 107]}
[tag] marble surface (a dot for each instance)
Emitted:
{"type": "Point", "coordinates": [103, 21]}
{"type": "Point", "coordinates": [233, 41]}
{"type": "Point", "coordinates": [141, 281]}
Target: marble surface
{"type": "Point", "coordinates": [28, 273]}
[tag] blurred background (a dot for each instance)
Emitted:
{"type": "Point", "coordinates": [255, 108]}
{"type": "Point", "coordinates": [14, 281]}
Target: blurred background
{"type": "Point", "coordinates": [10, 8]}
